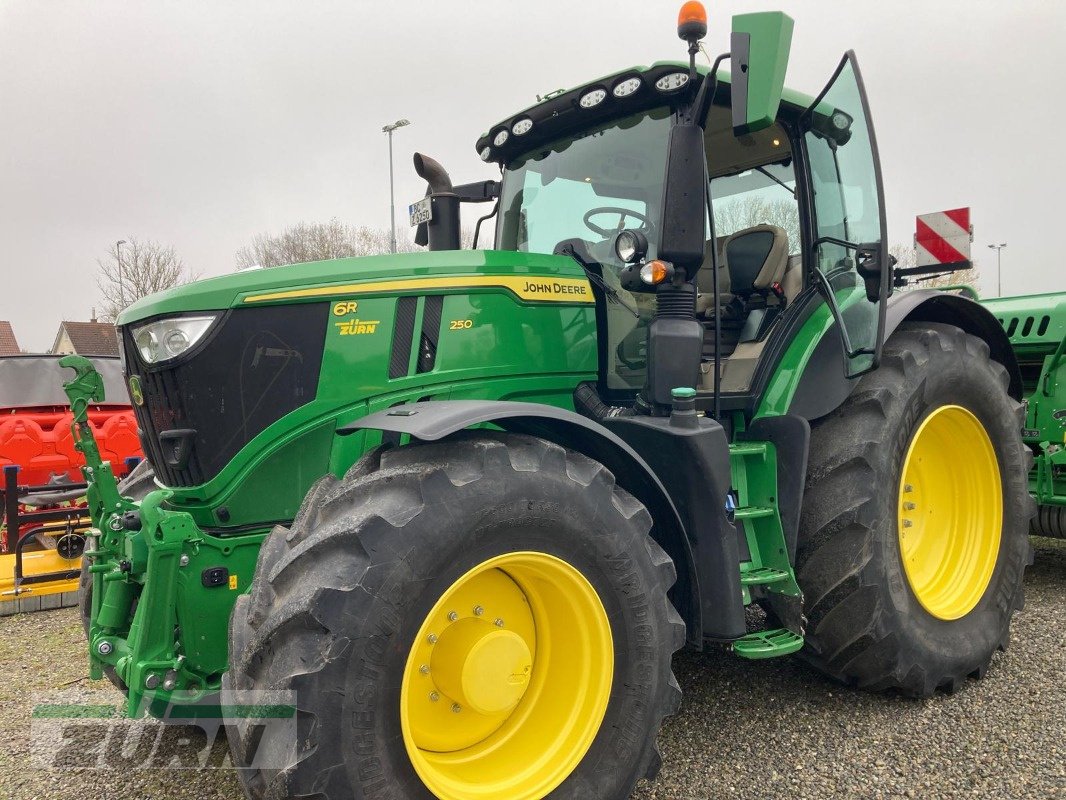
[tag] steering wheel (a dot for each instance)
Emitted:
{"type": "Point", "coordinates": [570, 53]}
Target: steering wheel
{"type": "Point", "coordinates": [622, 214]}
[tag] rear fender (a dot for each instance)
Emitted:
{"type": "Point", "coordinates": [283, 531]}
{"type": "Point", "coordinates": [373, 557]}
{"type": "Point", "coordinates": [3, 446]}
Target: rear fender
{"type": "Point", "coordinates": [433, 420]}
{"type": "Point", "coordinates": [823, 387]}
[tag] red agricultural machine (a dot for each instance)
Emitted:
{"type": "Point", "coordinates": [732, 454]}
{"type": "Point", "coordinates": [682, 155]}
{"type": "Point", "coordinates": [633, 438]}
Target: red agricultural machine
{"type": "Point", "coordinates": [43, 523]}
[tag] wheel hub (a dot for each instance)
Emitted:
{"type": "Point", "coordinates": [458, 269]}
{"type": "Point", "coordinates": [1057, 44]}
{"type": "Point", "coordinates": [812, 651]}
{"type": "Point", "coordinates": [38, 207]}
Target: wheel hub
{"type": "Point", "coordinates": [482, 667]}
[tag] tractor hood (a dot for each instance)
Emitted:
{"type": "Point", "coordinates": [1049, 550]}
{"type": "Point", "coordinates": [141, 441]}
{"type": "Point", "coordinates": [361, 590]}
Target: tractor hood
{"type": "Point", "coordinates": [389, 273]}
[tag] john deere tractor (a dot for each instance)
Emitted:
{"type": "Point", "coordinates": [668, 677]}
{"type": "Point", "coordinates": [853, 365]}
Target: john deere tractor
{"type": "Point", "coordinates": [464, 505]}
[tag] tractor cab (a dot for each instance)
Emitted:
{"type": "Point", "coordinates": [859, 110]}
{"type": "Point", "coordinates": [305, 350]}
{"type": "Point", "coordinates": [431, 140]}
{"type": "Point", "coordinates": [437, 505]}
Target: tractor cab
{"type": "Point", "coordinates": [795, 222]}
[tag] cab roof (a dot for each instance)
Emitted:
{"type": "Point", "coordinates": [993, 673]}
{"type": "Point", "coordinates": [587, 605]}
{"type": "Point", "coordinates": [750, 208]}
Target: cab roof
{"type": "Point", "coordinates": [560, 113]}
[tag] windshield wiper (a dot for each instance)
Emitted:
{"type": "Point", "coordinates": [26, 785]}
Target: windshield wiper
{"type": "Point", "coordinates": [776, 180]}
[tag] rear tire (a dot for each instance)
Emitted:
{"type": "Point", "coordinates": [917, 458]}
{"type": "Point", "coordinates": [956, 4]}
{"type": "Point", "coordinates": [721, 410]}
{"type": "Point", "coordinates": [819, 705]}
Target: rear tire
{"type": "Point", "coordinates": [136, 485]}
{"type": "Point", "coordinates": [868, 621]}
{"type": "Point", "coordinates": [340, 601]}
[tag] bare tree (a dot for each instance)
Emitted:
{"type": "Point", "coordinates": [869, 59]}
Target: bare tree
{"type": "Point", "coordinates": [321, 241]}
{"type": "Point", "coordinates": [747, 211]}
{"type": "Point", "coordinates": [136, 268]}
{"type": "Point", "coordinates": [906, 257]}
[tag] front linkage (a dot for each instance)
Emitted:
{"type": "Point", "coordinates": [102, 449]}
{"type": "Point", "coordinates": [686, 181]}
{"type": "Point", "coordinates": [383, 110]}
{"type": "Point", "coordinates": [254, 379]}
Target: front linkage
{"type": "Point", "coordinates": [135, 551]}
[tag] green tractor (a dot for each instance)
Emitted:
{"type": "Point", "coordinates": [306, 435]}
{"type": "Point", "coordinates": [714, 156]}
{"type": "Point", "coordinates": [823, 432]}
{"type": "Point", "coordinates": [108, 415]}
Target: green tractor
{"type": "Point", "coordinates": [1036, 325]}
{"type": "Point", "coordinates": [463, 506]}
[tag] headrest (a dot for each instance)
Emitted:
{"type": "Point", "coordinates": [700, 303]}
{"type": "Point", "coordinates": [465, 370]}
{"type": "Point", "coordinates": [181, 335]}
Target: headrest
{"type": "Point", "coordinates": [756, 258]}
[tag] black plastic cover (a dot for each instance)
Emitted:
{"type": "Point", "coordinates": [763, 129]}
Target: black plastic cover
{"type": "Point", "coordinates": [674, 350]}
{"type": "Point", "coordinates": [694, 465]}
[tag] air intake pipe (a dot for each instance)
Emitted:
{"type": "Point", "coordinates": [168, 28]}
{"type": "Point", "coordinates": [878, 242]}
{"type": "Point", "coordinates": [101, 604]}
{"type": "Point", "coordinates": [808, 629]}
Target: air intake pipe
{"type": "Point", "coordinates": [442, 230]}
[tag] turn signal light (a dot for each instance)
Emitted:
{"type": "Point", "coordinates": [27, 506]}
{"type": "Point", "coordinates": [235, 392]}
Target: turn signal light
{"type": "Point", "coordinates": [692, 21]}
{"type": "Point", "coordinates": [655, 272]}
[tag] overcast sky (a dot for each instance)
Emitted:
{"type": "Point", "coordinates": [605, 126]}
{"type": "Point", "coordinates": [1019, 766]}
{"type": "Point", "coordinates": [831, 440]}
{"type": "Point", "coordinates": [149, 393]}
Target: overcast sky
{"type": "Point", "coordinates": [201, 124]}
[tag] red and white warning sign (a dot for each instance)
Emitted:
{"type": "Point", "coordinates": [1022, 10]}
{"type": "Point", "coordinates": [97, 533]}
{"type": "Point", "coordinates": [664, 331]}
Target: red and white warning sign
{"type": "Point", "coordinates": [943, 237]}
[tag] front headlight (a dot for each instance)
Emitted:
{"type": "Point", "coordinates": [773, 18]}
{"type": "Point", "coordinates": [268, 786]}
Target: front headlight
{"type": "Point", "coordinates": [165, 339]}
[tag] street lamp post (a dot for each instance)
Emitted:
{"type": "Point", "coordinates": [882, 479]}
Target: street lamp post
{"type": "Point", "coordinates": [392, 197]}
{"type": "Point", "coordinates": [999, 272]}
{"type": "Point", "coordinates": [118, 257]}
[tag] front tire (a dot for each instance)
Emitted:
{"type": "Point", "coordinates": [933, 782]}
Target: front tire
{"type": "Point", "coordinates": [485, 616]}
{"type": "Point", "coordinates": [914, 531]}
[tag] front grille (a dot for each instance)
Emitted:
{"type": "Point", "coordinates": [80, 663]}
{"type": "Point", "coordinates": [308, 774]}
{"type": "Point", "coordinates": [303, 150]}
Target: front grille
{"type": "Point", "coordinates": [258, 365]}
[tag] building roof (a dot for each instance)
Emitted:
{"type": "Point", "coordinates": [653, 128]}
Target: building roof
{"type": "Point", "coordinates": [90, 338]}
{"type": "Point", "coordinates": [8, 345]}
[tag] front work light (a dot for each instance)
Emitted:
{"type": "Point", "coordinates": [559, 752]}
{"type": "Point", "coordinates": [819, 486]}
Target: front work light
{"type": "Point", "coordinates": [672, 81]}
{"type": "Point", "coordinates": [165, 339]}
{"type": "Point", "coordinates": [630, 246]}
{"type": "Point", "coordinates": [626, 87]}
{"type": "Point", "coordinates": [593, 98]}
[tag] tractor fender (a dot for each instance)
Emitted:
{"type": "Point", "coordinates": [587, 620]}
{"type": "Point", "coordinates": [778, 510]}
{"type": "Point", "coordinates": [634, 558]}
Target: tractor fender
{"type": "Point", "coordinates": [823, 387]}
{"type": "Point", "coordinates": [436, 419]}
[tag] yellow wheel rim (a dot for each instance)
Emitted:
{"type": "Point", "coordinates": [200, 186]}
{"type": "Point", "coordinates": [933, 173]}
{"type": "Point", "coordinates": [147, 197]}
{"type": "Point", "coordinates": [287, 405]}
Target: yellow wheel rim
{"type": "Point", "coordinates": [508, 680]}
{"type": "Point", "coordinates": [950, 512]}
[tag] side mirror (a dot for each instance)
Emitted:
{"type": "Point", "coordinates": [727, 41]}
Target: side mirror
{"type": "Point", "coordinates": [684, 212]}
{"type": "Point", "coordinates": [872, 269]}
{"type": "Point", "coordinates": [758, 54]}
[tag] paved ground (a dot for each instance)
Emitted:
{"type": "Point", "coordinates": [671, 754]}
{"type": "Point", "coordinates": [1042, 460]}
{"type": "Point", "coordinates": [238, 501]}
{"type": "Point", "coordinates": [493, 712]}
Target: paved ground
{"type": "Point", "coordinates": [754, 730]}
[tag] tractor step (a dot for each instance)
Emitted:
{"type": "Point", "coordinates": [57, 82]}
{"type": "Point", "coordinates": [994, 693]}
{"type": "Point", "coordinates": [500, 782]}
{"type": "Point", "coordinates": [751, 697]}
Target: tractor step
{"type": "Point", "coordinates": [762, 575]}
{"type": "Point", "coordinates": [754, 512]}
{"type": "Point", "coordinates": [768, 644]}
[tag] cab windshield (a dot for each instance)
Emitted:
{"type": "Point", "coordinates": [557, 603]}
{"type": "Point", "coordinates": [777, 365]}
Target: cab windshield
{"type": "Point", "coordinates": [563, 190]}
{"type": "Point", "coordinates": [590, 187]}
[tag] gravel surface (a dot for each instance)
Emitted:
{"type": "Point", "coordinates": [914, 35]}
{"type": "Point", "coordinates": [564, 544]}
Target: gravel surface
{"type": "Point", "coordinates": [771, 729]}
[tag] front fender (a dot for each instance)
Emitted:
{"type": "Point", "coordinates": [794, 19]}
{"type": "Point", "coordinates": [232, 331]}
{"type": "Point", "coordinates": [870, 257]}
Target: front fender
{"type": "Point", "coordinates": [433, 420]}
{"type": "Point", "coordinates": [823, 387]}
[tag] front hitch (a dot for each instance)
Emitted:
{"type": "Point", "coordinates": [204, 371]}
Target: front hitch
{"type": "Point", "coordinates": [137, 552]}
{"type": "Point", "coordinates": [110, 601]}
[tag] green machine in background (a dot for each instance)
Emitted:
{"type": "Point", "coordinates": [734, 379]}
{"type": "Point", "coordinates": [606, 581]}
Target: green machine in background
{"type": "Point", "coordinates": [1036, 325]}
{"type": "Point", "coordinates": [462, 507]}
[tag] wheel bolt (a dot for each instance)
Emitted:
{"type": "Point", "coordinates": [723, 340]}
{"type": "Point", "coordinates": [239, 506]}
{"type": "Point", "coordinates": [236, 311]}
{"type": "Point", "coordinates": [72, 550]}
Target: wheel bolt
{"type": "Point", "coordinates": [434, 697]}
{"type": "Point", "coordinates": [432, 638]}
{"type": "Point", "coordinates": [908, 488]}
{"type": "Point", "coordinates": [907, 523]}
{"type": "Point", "coordinates": [452, 616]}
{"type": "Point", "coordinates": [498, 622]}
{"type": "Point", "coordinates": [478, 611]}
{"type": "Point", "coordinates": [909, 506]}
{"type": "Point", "coordinates": [424, 669]}
{"type": "Point", "coordinates": [456, 708]}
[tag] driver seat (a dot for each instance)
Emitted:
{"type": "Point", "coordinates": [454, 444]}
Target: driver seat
{"type": "Point", "coordinates": [756, 259]}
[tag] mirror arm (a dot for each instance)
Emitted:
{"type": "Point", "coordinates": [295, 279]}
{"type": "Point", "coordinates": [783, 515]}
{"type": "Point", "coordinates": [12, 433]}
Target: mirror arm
{"type": "Point", "coordinates": [477, 227]}
{"type": "Point", "coordinates": [478, 192]}
{"type": "Point", "coordinates": [702, 104]}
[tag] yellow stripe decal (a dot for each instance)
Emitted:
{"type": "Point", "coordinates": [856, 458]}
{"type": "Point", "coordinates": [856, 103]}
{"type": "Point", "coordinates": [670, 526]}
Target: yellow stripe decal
{"type": "Point", "coordinates": [542, 289]}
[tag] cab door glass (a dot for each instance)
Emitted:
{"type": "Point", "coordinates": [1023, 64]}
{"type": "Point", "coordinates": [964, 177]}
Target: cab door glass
{"type": "Point", "coordinates": [848, 208]}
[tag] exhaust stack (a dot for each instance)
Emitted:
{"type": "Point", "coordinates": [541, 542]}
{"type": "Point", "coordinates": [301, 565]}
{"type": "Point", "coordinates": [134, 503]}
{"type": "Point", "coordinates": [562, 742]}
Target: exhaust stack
{"type": "Point", "coordinates": [442, 230]}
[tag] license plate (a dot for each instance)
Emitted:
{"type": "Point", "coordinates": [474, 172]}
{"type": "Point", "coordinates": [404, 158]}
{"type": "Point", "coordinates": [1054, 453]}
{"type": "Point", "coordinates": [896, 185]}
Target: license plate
{"type": "Point", "coordinates": [420, 212]}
